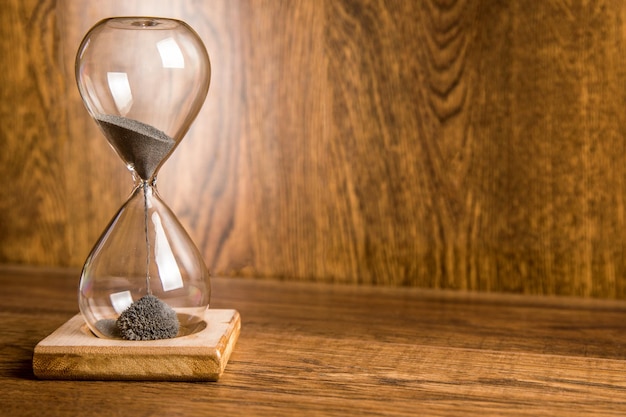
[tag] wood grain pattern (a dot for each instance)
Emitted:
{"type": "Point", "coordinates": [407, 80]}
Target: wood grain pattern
{"type": "Point", "coordinates": [334, 350]}
{"type": "Point", "coordinates": [72, 352]}
{"type": "Point", "coordinates": [34, 123]}
{"type": "Point", "coordinates": [463, 144]}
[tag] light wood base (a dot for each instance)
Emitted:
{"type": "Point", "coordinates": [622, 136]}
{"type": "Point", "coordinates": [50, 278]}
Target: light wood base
{"type": "Point", "coordinates": [73, 352]}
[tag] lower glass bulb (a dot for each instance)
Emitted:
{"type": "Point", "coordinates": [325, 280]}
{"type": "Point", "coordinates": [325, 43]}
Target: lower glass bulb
{"type": "Point", "coordinates": [144, 279]}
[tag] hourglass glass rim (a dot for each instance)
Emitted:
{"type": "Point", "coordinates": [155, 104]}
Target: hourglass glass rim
{"type": "Point", "coordinates": [143, 23]}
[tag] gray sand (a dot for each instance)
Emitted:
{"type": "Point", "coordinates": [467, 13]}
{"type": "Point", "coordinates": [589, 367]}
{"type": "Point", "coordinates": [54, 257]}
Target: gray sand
{"type": "Point", "coordinates": [144, 147]}
{"type": "Point", "coordinates": [148, 319]}
{"type": "Point", "coordinates": [141, 145]}
{"type": "Point", "coordinates": [108, 327]}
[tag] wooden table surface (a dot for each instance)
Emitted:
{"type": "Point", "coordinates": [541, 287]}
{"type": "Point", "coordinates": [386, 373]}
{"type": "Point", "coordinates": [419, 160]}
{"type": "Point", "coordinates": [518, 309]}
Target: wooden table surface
{"type": "Point", "coordinates": [319, 349]}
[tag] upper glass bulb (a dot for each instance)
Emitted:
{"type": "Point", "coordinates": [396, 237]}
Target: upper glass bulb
{"type": "Point", "coordinates": [144, 77]}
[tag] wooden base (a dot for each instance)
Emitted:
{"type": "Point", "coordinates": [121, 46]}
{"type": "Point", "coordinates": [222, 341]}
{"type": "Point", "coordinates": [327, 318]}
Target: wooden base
{"type": "Point", "coordinates": [73, 352]}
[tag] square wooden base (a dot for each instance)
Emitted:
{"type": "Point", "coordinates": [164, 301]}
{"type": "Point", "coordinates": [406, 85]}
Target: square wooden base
{"type": "Point", "coordinates": [74, 352]}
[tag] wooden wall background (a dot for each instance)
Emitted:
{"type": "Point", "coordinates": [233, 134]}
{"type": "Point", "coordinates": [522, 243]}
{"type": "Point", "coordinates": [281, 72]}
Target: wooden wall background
{"type": "Point", "coordinates": [468, 144]}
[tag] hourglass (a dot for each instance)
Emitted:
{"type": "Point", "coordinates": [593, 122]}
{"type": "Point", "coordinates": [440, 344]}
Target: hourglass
{"type": "Point", "coordinates": [143, 81]}
{"type": "Point", "coordinates": [145, 284]}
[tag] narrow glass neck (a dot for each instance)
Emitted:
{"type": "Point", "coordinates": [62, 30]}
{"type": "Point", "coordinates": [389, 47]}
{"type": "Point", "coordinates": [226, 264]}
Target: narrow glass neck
{"type": "Point", "coordinates": [140, 182]}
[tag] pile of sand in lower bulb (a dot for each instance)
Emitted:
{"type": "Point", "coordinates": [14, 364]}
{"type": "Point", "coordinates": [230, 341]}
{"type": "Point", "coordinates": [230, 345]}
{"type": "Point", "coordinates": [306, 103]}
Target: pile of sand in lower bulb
{"type": "Point", "coordinates": [148, 319]}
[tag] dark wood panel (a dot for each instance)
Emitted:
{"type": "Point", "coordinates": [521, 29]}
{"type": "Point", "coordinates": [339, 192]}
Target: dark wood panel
{"type": "Point", "coordinates": [32, 208]}
{"type": "Point", "coordinates": [448, 144]}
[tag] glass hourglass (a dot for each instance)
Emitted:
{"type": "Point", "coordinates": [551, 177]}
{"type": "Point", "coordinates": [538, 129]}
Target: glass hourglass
{"type": "Point", "coordinates": [143, 80]}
